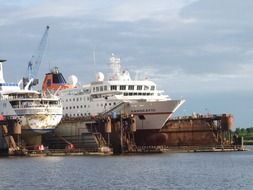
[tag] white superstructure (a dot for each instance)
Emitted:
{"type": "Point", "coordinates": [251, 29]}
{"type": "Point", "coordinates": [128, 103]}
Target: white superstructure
{"type": "Point", "coordinates": [36, 113]}
{"type": "Point", "coordinates": [150, 105]}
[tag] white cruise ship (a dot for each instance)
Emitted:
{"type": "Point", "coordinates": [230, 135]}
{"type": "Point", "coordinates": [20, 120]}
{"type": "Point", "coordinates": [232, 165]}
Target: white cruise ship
{"type": "Point", "coordinates": [150, 106]}
{"type": "Point", "coordinates": [36, 113]}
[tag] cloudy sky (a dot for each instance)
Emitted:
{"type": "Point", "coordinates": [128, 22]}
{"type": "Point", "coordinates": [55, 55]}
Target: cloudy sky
{"type": "Point", "coordinates": [201, 50]}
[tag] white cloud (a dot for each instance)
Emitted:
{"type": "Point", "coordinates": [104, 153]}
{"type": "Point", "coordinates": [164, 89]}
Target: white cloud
{"type": "Point", "coordinates": [248, 52]}
{"type": "Point", "coordinates": [246, 70]}
{"type": "Point", "coordinates": [220, 48]}
{"type": "Point", "coordinates": [147, 10]}
{"type": "Point", "coordinates": [123, 11]}
{"type": "Point", "coordinates": [186, 46]}
{"type": "Point", "coordinates": [179, 82]}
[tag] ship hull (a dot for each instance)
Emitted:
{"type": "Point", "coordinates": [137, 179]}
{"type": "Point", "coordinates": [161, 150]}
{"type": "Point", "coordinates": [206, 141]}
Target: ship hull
{"type": "Point", "coordinates": [153, 115]}
{"type": "Point", "coordinates": [34, 119]}
{"type": "Point", "coordinates": [150, 137]}
{"type": "Point", "coordinates": [39, 120]}
{"type": "Point", "coordinates": [39, 123]}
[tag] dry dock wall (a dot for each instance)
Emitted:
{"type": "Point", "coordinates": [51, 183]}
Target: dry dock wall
{"type": "Point", "coordinates": [196, 130]}
{"type": "Point", "coordinates": [80, 132]}
{"type": "Point", "coordinates": [200, 130]}
{"type": "Point", "coordinates": [10, 131]}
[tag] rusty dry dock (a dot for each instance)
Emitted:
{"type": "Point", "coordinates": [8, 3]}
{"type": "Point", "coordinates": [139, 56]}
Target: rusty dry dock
{"type": "Point", "coordinates": [183, 134]}
{"type": "Point", "coordinates": [107, 136]}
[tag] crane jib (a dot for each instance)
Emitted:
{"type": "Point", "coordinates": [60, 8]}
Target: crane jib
{"type": "Point", "coordinates": [34, 63]}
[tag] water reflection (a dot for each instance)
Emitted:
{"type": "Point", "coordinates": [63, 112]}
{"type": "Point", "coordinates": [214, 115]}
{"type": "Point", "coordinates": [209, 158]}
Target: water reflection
{"type": "Point", "coordinates": [157, 171]}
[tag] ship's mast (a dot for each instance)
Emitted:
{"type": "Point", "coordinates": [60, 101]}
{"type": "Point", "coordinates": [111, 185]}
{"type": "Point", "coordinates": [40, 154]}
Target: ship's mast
{"type": "Point", "coordinates": [115, 66]}
{"type": "Point", "coordinates": [117, 72]}
{"type": "Point", "coordinates": [1, 71]}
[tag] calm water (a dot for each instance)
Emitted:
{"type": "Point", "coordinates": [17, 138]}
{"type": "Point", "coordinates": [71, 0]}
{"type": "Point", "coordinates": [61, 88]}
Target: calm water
{"type": "Point", "coordinates": [158, 171]}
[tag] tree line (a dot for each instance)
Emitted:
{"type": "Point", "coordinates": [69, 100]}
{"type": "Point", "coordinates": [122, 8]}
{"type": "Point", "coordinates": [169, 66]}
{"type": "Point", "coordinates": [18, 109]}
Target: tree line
{"type": "Point", "coordinates": [246, 133]}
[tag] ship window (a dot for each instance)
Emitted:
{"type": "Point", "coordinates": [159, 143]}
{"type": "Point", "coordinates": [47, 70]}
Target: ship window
{"type": "Point", "coordinates": [70, 107]}
{"type": "Point", "coordinates": [85, 106]}
{"type": "Point", "coordinates": [66, 115]}
{"type": "Point", "coordinates": [80, 99]}
{"type": "Point", "coordinates": [122, 87]}
{"type": "Point", "coordinates": [81, 106]}
{"type": "Point", "coordinates": [113, 87]}
{"type": "Point", "coordinates": [114, 103]}
{"type": "Point", "coordinates": [148, 94]}
{"type": "Point", "coordinates": [77, 107]}
{"type": "Point", "coordinates": [94, 89]}
{"type": "Point", "coordinates": [131, 87]}
{"type": "Point", "coordinates": [77, 99]}
{"type": "Point", "coordinates": [125, 94]}
{"type": "Point", "coordinates": [141, 117]}
{"type": "Point", "coordinates": [105, 104]}
{"type": "Point", "coordinates": [144, 94]}
{"type": "Point", "coordinates": [66, 100]}
{"type": "Point", "coordinates": [105, 88]}
{"type": "Point", "coordinates": [110, 104]}
{"type": "Point", "coordinates": [101, 88]}
{"type": "Point", "coordinates": [77, 114]}
{"type": "Point", "coordinates": [135, 94]}
{"type": "Point", "coordinates": [74, 115]}
{"type": "Point", "coordinates": [152, 88]}
{"type": "Point", "coordinates": [139, 94]}
{"type": "Point", "coordinates": [81, 114]}
{"type": "Point", "coordinates": [73, 99]}
{"type": "Point", "coordinates": [58, 79]}
{"type": "Point", "coordinates": [139, 87]}
{"type": "Point", "coordinates": [66, 108]}
{"type": "Point", "coordinates": [74, 107]}
{"type": "Point", "coordinates": [146, 87]}
{"type": "Point", "coordinates": [97, 89]}
{"type": "Point", "coordinates": [88, 98]}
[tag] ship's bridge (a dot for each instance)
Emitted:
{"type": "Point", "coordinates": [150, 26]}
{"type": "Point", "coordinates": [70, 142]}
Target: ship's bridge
{"type": "Point", "coordinates": [119, 83]}
{"type": "Point", "coordinates": [9, 87]}
{"type": "Point", "coordinates": [128, 89]}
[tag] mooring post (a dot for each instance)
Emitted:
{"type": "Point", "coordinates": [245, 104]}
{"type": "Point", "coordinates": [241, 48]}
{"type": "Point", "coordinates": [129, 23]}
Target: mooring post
{"type": "Point", "coordinates": [242, 143]}
{"type": "Point", "coordinates": [121, 134]}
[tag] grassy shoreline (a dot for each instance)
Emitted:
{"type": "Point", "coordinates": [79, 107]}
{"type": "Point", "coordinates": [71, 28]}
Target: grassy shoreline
{"type": "Point", "coordinates": [248, 142]}
{"type": "Point", "coordinates": [247, 134]}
